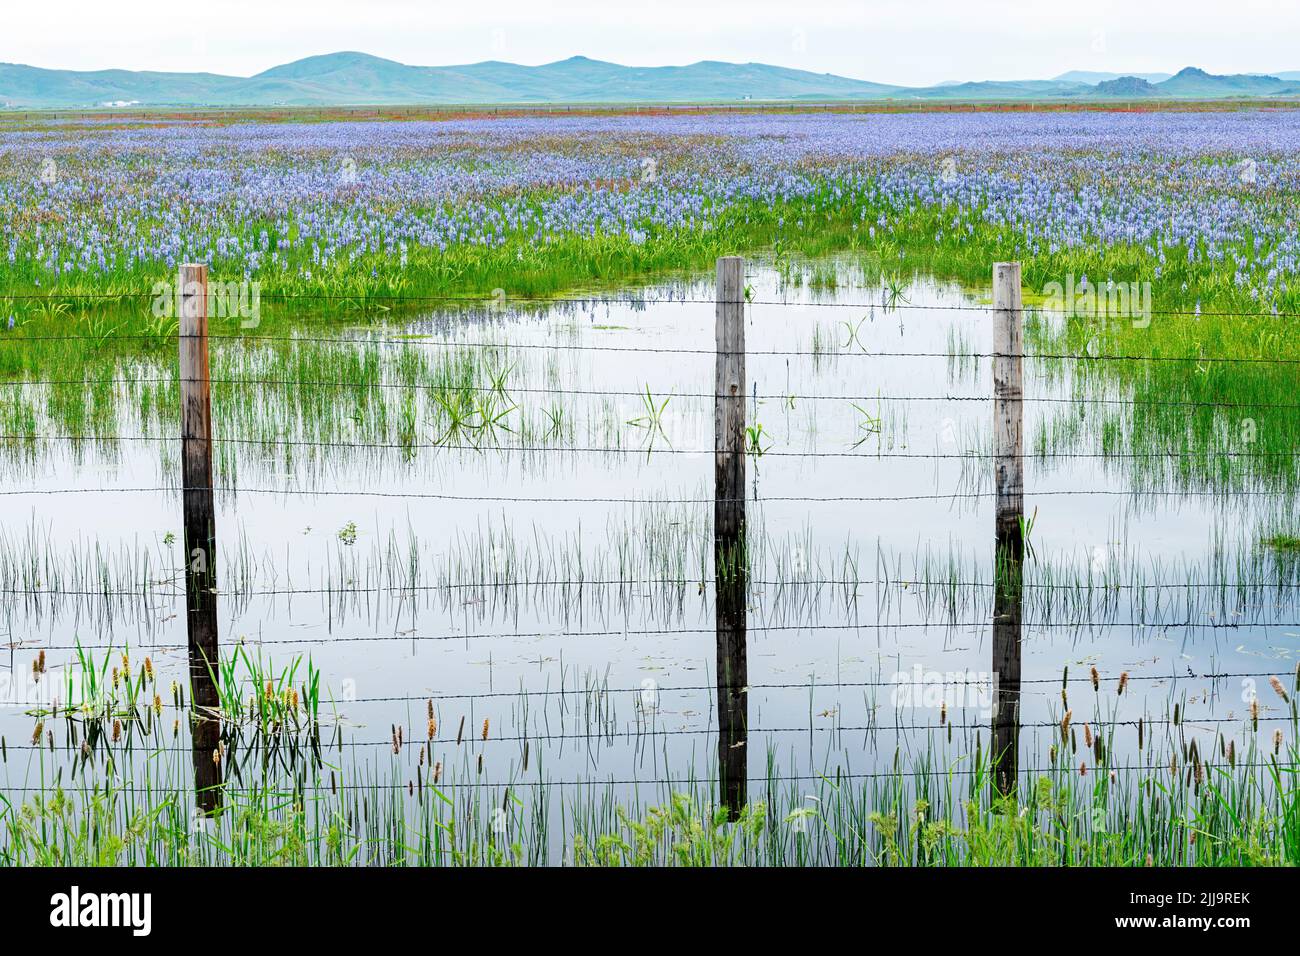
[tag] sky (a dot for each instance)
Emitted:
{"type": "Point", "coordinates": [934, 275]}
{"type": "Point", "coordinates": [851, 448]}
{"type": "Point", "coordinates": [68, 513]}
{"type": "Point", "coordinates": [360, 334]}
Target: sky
{"type": "Point", "coordinates": [910, 42]}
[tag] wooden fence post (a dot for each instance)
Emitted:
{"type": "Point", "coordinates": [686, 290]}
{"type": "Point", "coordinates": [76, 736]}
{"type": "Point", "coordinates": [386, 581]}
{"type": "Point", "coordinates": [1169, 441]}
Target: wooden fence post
{"type": "Point", "coordinates": [200, 532]}
{"type": "Point", "coordinates": [730, 558]}
{"type": "Point", "coordinates": [1009, 547]}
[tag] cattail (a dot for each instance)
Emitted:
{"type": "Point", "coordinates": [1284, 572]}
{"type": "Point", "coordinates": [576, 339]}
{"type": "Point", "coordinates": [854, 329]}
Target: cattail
{"type": "Point", "coordinates": [157, 705]}
{"type": "Point", "coordinates": [420, 762]}
{"type": "Point", "coordinates": [49, 739]}
{"type": "Point", "coordinates": [176, 727]}
{"type": "Point", "coordinates": [1177, 713]}
{"type": "Point", "coordinates": [433, 727]}
{"type": "Point", "coordinates": [1141, 726]}
{"type": "Point", "coordinates": [333, 788]}
{"type": "Point", "coordinates": [39, 666]}
{"type": "Point", "coordinates": [460, 731]}
{"type": "Point", "coordinates": [1083, 769]}
{"type": "Point", "coordinates": [270, 691]}
{"type": "Point", "coordinates": [430, 708]}
{"type": "Point", "coordinates": [437, 771]}
{"type": "Point", "coordinates": [1087, 736]}
{"type": "Point", "coordinates": [1277, 741]}
{"type": "Point", "coordinates": [1096, 679]}
{"type": "Point", "coordinates": [1123, 682]}
{"type": "Point", "coordinates": [397, 748]}
{"type": "Point", "coordinates": [1254, 713]}
{"type": "Point", "coordinates": [126, 667]}
{"type": "Point", "coordinates": [116, 678]}
{"type": "Point", "coordinates": [148, 669]}
{"type": "Point", "coordinates": [526, 753]}
{"type": "Point", "coordinates": [36, 734]}
{"type": "Point", "coordinates": [1279, 689]}
{"type": "Point", "coordinates": [480, 765]}
{"type": "Point", "coordinates": [410, 789]}
{"type": "Point", "coordinates": [485, 728]}
{"type": "Point", "coordinates": [943, 712]}
{"type": "Point", "coordinates": [1065, 724]}
{"type": "Point", "coordinates": [1232, 753]}
{"type": "Point", "coordinates": [1051, 754]}
{"type": "Point", "coordinates": [293, 700]}
{"type": "Point", "coordinates": [400, 740]}
{"type": "Point", "coordinates": [117, 730]}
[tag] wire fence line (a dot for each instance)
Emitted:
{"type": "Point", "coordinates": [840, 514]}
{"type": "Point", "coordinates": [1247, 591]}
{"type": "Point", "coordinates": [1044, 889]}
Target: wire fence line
{"type": "Point", "coordinates": [630, 633]}
{"type": "Point", "coordinates": [682, 582]}
{"type": "Point", "coordinates": [653, 732]}
{"type": "Point", "coordinates": [651, 449]}
{"type": "Point", "coordinates": [623, 393]}
{"type": "Point", "coordinates": [490, 300]}
{"type": "Point", "coordinates": [968, 678]}
{"type": "Point", "coordinates": [409, 340]}
{"type": "Point", "coordinates": [833, 778]}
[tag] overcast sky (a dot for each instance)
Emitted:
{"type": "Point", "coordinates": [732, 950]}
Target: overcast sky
{"type": "Point", "coordinates": [915, 42]}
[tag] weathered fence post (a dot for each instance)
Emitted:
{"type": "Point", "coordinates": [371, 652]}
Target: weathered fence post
{"type": "Point", "coordinates": [200, 532]}
{"type": "Point", "coordinates": [730, 558]}
{"type": "Point", "coordinates": [1009, 549]}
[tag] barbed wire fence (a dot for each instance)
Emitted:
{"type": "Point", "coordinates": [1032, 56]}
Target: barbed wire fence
{"type": "Point", "coordinates": [730, 452]}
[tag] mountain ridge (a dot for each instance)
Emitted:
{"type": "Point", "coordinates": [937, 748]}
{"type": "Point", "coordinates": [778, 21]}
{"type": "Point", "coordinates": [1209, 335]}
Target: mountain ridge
{"type": "Point", "coordinates": [350, 78]}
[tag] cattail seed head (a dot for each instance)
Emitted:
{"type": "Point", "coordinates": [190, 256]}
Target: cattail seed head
{"type": "Point", "coordinates": [1279, 689]}
{"type": "Point", "coordinates": [485, 728]}
{"type": "Point", "coordinates": [1096, 679]}
{"type": "Point", "coordinates": [1123, 682]}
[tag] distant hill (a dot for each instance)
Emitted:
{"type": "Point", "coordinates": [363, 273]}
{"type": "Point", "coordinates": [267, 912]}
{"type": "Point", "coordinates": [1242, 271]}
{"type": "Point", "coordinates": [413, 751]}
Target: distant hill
{"type": "Point", "coordinates": [1191, 82]}
{"type": "Point", "coordinates": [350, 78]}
{"type": "Point", "coordinates": [1126, 86]}
{"type": "Point", "coordinates": [1092, 78]}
